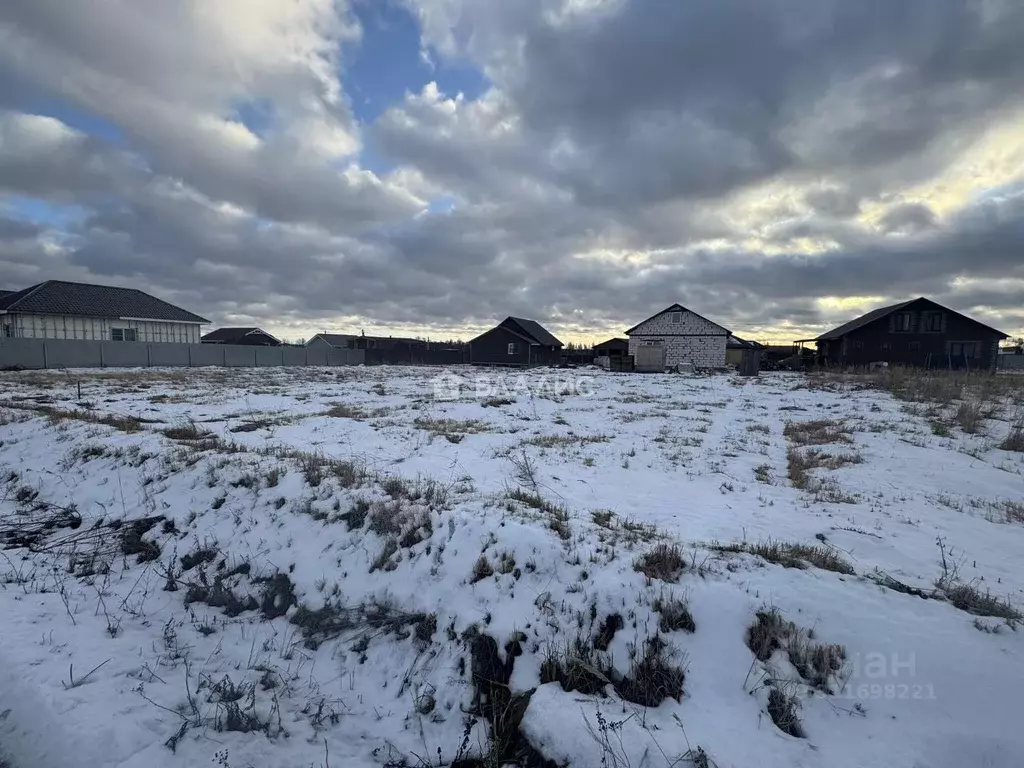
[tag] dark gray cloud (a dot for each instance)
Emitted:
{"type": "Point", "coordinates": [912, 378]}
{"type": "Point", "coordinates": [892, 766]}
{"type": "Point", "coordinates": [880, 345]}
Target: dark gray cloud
{"type": "Point", "coordinates": [908, 218]}
{"type": "Point", "coordinates": [693, 99]}
{"type": "Point", "coordinates": [721, 153]}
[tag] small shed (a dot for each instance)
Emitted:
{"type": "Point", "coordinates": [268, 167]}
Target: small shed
{"type": "Point", "coordinates": [736, 349]}
{"type": "Point", "coordinates": [612, 348]}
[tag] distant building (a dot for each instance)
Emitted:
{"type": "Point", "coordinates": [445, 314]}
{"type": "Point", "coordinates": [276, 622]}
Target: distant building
{"type": "Point", "coordinates": [683, 338]}
{"type": "Point", "coordinates": [359, 341]}
{"type": "Point", "coordinates": [515, 341]}
{"type": "Point", "coordinates": [918, 333]}
{"type": "Point", "coordinates": [247, 337]}
{"type": "Point", "coordinates": [57, 309]}
{"type": "Point", "coordinates": [612, 348]}
{"type": "Point", "coordinates": [735, 348]}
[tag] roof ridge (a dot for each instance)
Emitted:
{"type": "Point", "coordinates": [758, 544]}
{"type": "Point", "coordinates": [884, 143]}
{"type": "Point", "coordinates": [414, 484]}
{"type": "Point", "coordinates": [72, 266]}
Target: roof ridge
{"type": "Point", "coordinates": [27, 292]}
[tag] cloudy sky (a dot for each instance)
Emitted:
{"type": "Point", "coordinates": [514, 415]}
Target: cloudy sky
{"type": "Point", "coordinates": [431, 166]}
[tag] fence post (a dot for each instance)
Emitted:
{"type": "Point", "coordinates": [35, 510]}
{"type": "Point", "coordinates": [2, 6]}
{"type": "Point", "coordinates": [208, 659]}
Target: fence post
{"type": "Point", "coordinates": [149, 356]}
{"type": "Point", "coordinates": [189, 355]}
{"type": "Point", "coordinates": [45, 364]}
{"type": "Point", "coordinates": [101, 355]}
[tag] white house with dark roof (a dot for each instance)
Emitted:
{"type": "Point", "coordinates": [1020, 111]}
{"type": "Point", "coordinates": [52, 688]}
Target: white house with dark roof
{"type": "Point", "coordinates": [686, 338]}
{"type": "Point", "coordinates": [57, 309]}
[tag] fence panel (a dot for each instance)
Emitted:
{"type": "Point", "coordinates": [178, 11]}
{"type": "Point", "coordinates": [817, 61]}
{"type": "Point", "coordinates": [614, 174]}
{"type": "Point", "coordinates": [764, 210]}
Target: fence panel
{"type": "Point", "coordinates": [113, 354]}
{"type": "Point", "coordinates": [16, 353]}
{"type": "Point", "coordinates": [293, 355]}
{"type": "Point", "coordinates": [169, 355]}
{"type": "Point", "coordinates": [268, 357]}
{"type": "Point", "coordinates": [207, 354]}
{"type": "Point", "coordinates": [37, 354]}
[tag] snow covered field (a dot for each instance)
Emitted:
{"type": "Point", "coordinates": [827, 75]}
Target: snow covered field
{"type": "Point", "coordinates": [313, 567]}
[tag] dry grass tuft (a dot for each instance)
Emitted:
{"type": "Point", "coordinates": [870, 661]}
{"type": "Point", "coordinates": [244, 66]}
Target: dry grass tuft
{"type": "Point", "coordinates": [653, 677]}
{"type": "Point", "coordinates": [452, 430]}
{"type": "Point", "coordinates": [345, 411]}
{"type": "Point", "coordinates": [783, 708]}
{"type": "Point", "coordinates": [564, 441]}
{"type": "Point", "coordinates": [818, 664]}
{"type": "Point", "coordinates": [481, 570]}
{"type": "Point", "coordinates": [664, 562]}
{"type": "Point", "coordinates": [795, 555]}
{"type": "Point", "coordinates": [577, 666]}
{"type": "Point", "coordinates": [557, 514]}
{"type": "Point", "coordinates": [970, 415]}
{"type": "Point", "coordinates": [674, 614]}
{"type": "Point", "coordinates": [187, 432]}
{"type": "Point", "coordinates": [1014, 441]}
{"type": "Point", "coordinates": [799, 463]}
{"type": "Point", "coordinates": [969, 598]}
{"type": "Point", "coordinates": [817, 432]}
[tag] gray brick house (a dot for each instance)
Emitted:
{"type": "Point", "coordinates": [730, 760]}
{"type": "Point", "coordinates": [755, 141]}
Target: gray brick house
{"type": "Point", "coordinates": [686, 338]}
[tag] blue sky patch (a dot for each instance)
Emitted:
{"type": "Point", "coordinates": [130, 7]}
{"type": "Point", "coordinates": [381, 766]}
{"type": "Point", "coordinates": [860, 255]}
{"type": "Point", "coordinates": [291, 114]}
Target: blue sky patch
{"type": "Point", "coordinates": [388, 62]}
{"type": "Point", "coordinates": [79, 119]}
{"type": "Point", "coordinates": [57, 215]}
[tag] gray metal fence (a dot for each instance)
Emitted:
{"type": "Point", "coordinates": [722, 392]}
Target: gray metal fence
{"type": "Point", "coordinates": [73, 353]}
{"type": "Point", "coordinates": [1010, 362]}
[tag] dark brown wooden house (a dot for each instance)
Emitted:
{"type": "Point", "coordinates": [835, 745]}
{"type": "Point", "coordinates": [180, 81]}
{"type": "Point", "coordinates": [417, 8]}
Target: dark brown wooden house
{"type": "Point", "coordinates": [515, 341]}
{"type": "Point", "coordinates": [917, 333]}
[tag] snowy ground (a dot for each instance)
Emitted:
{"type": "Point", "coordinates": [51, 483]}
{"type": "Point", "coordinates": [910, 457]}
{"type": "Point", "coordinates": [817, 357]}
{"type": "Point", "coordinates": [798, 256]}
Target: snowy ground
{"type": "Point", "coordinates": [314, 567]}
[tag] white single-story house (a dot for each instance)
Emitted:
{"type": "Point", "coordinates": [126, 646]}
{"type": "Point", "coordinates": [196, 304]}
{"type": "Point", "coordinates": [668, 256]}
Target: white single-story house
{"type": "Point", "coordinates": [685, 337]}
{"type": "Point", "coordinates": [58, 309]}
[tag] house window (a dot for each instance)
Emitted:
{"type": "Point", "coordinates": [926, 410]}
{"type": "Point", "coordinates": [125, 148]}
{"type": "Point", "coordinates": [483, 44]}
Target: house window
{"type": "Point", "coordinates": [677, 318]}
{"type": "Point", "coordinates": [901, 322]}
{"type": "Point", "coordinates": [885, 346]}
{"type": "Point", "coordinates": [964, 349]}
{"type": "Point", "coordinates": [8, 330]}
{"type": "Point", "coordinates": [511, 347]}
{"type": "Point", "coordinates": [123, 334]}
{"type": "Point", "coordinates": [933, 322]}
